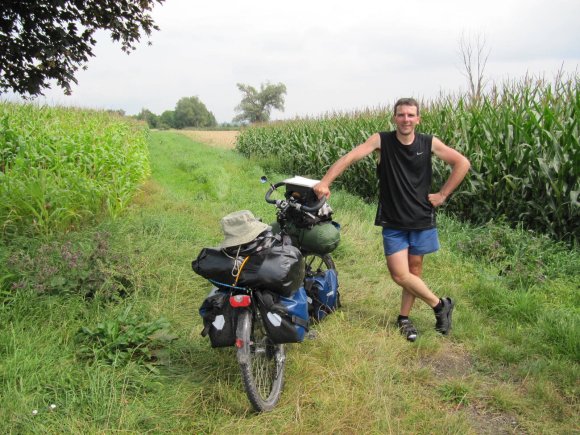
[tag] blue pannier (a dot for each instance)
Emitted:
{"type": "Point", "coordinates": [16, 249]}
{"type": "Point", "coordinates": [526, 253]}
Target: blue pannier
{"type": "Point", "coordinates": [285, 318]}
{"type": "Point", "coordinates": [323, 294]}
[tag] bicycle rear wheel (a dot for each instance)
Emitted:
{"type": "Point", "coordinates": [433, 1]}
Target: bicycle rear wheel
{"type": "Point", "coordinates": [262, 362]}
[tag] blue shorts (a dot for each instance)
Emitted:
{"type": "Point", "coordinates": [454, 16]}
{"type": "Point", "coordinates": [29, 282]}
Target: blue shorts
{"type": "Point", "coordinates": [419, 242]}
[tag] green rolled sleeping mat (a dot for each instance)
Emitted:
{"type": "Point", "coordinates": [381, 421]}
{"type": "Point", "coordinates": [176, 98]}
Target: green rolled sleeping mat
{"type": "Point", "coordinates": [322, 238]}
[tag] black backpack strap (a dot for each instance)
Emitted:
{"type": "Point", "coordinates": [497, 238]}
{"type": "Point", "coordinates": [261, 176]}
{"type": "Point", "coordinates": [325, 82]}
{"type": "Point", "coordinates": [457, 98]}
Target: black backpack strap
{"type": "Point", "coordinates": [266, 300]}
{"type": "Point", "coordinates": [208, 318]}
{"type": "Point", "coordinates": [308, 283]}
{"type": "Point", "coordinates": [205, 330]}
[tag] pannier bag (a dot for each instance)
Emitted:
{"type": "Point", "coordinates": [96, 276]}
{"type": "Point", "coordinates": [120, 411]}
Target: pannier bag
{"type": "Point", "coordinates": [219, 318]}
{"type": "Point", "coordinates": [285, 318]}
{"type": "Point", "coordinates": [279, 268]}
{"type": "Point", "coordinates": [323, 294]}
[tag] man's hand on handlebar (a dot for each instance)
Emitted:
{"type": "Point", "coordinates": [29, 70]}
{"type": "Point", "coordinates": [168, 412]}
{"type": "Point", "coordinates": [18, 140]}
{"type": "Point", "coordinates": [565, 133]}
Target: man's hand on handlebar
{"type": "Point", "coordinates": [322, 190]}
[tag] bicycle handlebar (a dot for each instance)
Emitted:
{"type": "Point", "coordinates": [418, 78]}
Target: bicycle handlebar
{"type": "Point", "coordinates": [296, 205]}
{"type": "Point", "coordinates": [270, 191]}
{"type": "Point", "coordinates": [316, 206]}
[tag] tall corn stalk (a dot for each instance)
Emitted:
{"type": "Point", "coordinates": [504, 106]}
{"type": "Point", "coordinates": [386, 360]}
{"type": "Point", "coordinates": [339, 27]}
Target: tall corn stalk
{"type": "Point", "coordinates": [60, 165]}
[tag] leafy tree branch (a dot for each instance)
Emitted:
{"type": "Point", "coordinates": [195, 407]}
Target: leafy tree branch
{"type": "Point", "coordinates": [47, 40]}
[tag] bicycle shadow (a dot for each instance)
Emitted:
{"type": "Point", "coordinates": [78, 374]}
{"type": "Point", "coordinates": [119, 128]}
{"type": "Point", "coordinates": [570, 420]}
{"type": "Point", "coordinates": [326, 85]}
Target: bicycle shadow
{"type": "Point", "coordinates": [212, 375]}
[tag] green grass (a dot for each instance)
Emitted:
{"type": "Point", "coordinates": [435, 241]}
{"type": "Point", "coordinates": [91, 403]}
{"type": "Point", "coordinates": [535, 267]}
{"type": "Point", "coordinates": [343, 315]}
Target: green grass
{"type": "Point", "coordinates": [510, 364]}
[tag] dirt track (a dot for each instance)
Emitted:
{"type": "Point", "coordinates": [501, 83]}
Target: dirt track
{"type": "Point", "coordinates": [222, 139]}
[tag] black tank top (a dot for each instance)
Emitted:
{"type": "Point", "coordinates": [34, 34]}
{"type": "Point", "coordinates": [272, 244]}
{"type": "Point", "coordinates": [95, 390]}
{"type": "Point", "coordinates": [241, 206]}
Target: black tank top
{"type": "Point", "coordinates": [404, 173]}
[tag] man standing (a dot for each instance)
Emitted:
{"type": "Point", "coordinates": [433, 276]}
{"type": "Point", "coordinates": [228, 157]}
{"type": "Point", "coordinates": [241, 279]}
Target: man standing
{"type": "Point", "coordinates": [406, 207]}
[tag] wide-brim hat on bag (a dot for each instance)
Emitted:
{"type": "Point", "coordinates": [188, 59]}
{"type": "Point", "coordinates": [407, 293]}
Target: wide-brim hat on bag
{"type": "Point", "coordinates": [240, 227]}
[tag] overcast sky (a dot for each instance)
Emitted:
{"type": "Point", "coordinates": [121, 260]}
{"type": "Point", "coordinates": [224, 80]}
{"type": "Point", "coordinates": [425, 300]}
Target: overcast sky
{"type": "Point", "coordinates": [331, 55]}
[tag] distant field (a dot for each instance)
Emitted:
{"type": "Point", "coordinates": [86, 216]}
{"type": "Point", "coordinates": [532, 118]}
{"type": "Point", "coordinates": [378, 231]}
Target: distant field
{"type": "Point", "coordinates": [221, 139]}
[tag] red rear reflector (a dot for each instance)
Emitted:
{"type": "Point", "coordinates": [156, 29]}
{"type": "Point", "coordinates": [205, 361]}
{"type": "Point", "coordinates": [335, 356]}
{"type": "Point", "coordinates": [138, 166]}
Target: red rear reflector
{"type": "Point", "coordinates": [239, 343]}
{"type": "Point", "coordinates": [240, 301]}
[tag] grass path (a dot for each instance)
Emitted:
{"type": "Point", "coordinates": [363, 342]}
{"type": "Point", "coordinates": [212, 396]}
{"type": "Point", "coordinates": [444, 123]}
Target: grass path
{"type": "Point", "coordinates": [358, 376]}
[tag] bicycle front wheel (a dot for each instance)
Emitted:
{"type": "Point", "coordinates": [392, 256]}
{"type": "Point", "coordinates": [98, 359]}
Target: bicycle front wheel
{"type": "Point", "coordinates": [316, 263]}
{"type": "Point", "coordinates": [262, 362]}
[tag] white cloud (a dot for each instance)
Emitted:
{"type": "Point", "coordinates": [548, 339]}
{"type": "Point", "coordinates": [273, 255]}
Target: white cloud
{"type": "Point", "coordinates": [332, 55]}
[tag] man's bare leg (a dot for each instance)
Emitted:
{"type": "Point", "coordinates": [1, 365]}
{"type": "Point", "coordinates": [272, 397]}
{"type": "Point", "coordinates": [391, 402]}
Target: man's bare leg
{"type": "Point", "coordinates": [399, 267]}
{"type": "Point", "coordinates": [408, 299]}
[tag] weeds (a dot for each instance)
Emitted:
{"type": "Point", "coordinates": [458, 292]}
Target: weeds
{"type": "Point", "coordinates": [126, 338]}
{"type": "Point", "coordinates": [83, 266]}
{"type": "Point", "coordinates": [523, 258]}
{"type": "Point", "coordinates": [455, 392]}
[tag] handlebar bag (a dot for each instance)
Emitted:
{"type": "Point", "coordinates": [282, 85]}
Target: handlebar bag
{"type": "Point", "coordinates": [219, 318]}
{"type": "Point", "coordinates": [302, 219]}
{"type": "Point", "coordinates": [285, 318]}
{"type": "Point", "coordinates": [323, 294]}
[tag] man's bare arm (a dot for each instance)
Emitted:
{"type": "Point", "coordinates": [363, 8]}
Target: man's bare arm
{"type": "Point", "coordinates": [459, 164]}
{"type": "Point", "coordinates": [371, 144]}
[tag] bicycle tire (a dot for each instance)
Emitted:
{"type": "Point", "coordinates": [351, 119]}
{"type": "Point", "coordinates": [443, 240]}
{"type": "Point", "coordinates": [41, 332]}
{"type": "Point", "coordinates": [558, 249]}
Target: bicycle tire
{"type": "Point", "coordinates": [262, 363]}
{"type": "Point", "coordinates": [316, 263]}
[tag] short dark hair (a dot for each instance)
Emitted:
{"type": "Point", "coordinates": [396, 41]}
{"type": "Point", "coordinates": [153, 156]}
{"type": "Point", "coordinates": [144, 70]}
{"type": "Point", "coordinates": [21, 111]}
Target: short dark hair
{"type": "Point", "coordinates": [406, 102]}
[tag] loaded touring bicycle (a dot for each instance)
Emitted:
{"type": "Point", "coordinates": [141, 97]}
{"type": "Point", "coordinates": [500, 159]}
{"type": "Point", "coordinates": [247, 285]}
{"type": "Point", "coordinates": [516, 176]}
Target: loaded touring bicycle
{"type": "Point", "coordinates": [270, 283]}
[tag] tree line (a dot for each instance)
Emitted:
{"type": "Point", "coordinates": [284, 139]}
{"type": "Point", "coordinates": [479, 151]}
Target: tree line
{"type": "Point", "coordinates": [188, 112]}
{"type": "Point", "coordinates": [256, 106]}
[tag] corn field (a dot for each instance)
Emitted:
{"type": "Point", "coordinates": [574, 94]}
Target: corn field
{"type": "Point", "coordinates": [61, 165]}
{"type": "Point", "coordinates": [522, 140]}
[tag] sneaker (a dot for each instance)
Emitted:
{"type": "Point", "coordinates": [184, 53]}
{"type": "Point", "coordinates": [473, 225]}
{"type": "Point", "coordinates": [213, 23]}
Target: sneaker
{"type": "Point", "coordinates": [407, 329]}
{"type": "Point", "coordinates": [443, 317]}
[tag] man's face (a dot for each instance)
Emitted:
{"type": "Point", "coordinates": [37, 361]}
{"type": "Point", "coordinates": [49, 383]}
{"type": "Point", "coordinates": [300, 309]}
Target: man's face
{"type": "Point", "coordinates": [406, 119]}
